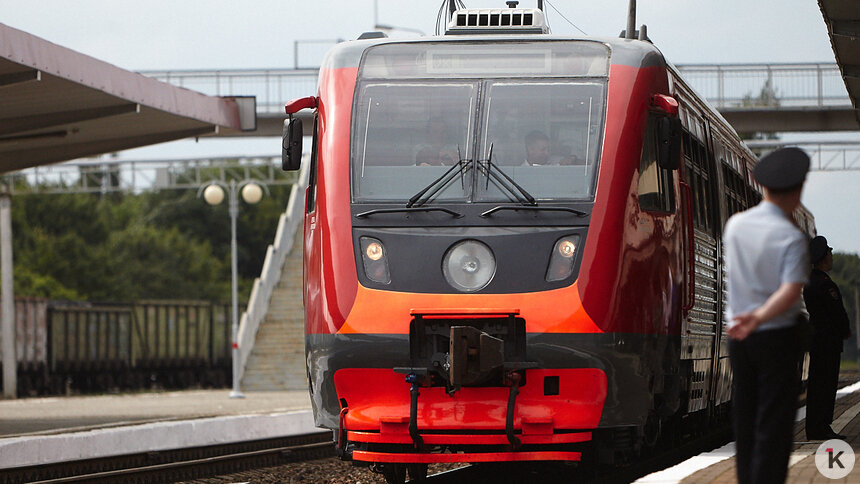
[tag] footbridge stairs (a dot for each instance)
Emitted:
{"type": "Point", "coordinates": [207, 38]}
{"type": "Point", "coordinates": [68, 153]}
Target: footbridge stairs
{"type": "Point", "coordinates": [272, 330]}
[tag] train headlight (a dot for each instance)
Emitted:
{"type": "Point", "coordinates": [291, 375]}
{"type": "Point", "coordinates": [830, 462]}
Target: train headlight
{"type": "Point", "coordinates": [374, 251]}
{"type": "Point", "coordinates": [562, 258]}
{"type": "Point", "coordinates": [374, 259]}
{"type": "Point", "coordinates": [469, 266]}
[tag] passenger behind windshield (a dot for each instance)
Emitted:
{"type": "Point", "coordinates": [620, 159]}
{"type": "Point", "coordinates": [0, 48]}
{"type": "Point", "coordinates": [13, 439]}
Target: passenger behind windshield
{"type": "Point", "coordinates": [439, 149]}
{"type": "Point", "coordinates": [538, 152]}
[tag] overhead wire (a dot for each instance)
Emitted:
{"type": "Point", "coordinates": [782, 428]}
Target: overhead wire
{"type": "Point", "coordinates": [565, 18]}
{"type": "Point", "coordinates": [440, 16]}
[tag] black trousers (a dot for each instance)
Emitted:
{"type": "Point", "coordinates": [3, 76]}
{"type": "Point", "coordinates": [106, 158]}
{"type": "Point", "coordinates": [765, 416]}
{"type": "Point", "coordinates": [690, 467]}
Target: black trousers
{"type": "Point", "coordinates": [765, 388]}
{"type": "Point", "coordinates": [824, 358]}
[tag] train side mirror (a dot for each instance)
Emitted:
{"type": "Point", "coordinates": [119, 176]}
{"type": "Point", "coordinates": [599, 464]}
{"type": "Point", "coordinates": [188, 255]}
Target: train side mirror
{"type": "Point", "coordinates": [669, 143]}
{"type": "Point", "coordinates": [291, 152]}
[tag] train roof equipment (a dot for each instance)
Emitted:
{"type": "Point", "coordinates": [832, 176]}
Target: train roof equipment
{"type": "Point", "coordinates": [497, 20]}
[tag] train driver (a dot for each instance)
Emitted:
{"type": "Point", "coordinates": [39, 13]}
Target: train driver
{"type": "Point", "coordinates": [438, 150]}
{"type": "Point", "coordinates": [538, 152]}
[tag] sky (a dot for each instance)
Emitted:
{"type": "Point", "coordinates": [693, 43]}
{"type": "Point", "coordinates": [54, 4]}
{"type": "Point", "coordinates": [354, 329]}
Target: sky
{"type": "Point", "coordinates": [220, 34]}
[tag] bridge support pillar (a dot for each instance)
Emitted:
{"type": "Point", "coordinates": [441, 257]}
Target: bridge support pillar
{"type": "Point", "coordinates": [7, 338]}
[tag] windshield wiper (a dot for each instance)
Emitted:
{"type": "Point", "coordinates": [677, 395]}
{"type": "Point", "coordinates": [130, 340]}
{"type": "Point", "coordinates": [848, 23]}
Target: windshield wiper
{"type": "Point", "coordinates": [578, 213]}
{"type": "Point", "coordinates": [409, 209]}
{"type": "Point", "coordinates": [439, 183]}
{"type": "Point", "coordinates": [523, 196]}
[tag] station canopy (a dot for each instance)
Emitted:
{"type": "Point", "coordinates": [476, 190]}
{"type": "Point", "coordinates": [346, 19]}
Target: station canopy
{"type": "Point", "coordinates": [843, 25]}
{"type": "Point", "coordinates": [57, 104]}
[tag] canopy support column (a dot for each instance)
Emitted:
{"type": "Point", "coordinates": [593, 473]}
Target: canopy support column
{"type": "Point", "coordinates": [7, 338]}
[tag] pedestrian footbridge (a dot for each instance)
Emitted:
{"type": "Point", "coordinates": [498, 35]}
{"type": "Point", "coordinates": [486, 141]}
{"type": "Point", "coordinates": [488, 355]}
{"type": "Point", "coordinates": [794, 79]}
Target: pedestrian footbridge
{"type": "Point", "coordinates": [752, 97]}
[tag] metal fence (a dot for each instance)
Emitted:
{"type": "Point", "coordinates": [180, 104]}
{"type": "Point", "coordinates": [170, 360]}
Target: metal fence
{"type": "Point", "coordinates": [144, 334]}
{"type": "Point", "coordinates": [77, 346]}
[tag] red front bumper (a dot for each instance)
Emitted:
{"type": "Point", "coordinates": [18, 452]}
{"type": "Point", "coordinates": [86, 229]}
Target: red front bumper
{"type": "Point", "coordinates": [554, 408]}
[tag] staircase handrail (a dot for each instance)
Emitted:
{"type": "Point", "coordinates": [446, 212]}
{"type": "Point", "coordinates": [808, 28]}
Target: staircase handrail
{"type": "Point", "coordinates": [270, 276]}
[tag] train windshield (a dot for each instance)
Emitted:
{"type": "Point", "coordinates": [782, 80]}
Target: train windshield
{"type": "Point", "coordinates": [410, 133]}
{"type": "Point", "coordinates": [532, 112]}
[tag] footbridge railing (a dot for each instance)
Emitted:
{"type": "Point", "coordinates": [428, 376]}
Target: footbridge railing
{"type": "Point", "coordinates": [724, 85]}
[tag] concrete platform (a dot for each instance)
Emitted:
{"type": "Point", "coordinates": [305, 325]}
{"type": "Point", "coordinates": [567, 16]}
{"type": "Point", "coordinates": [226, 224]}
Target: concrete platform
{"type": "Point", "coordinates": [41, 430]}
{"type": "Point", "coordinates": [718, 466]}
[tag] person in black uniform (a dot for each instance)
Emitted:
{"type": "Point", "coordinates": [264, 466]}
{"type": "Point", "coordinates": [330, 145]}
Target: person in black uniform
{"type": "Point", "coordinates": [830, 326]}
{"type": "Point", "coordinates": [767, 265]}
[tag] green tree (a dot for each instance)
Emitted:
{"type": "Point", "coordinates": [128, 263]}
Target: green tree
{"type": "Point", "coordinates": [153, 263]}
{"type": "Point", "coordinates": [165, 244]}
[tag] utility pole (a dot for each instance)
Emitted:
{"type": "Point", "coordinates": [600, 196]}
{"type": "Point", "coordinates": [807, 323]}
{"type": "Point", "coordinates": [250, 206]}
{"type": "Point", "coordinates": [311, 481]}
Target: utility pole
{"type": "Point", "coordinates": [10, 362]}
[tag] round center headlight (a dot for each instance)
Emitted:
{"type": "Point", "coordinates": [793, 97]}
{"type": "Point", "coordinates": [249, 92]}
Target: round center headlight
{"type": "Point", "coordinates": [469, 266]}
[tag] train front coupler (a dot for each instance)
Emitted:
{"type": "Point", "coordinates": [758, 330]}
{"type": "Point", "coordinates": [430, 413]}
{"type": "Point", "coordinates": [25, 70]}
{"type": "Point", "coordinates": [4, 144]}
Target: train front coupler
{"type": "Point", "coordinates": [466, 350]}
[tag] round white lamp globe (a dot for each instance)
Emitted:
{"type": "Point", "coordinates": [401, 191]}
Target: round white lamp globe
{"type": "Point", "coordinates": [252, 193]}
{"type": "Point", "coordinates": [213, 194]}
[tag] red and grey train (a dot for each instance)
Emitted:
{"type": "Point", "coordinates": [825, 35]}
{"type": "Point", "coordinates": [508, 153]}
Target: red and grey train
{"type": "Point", "coordinates": [484, 306]}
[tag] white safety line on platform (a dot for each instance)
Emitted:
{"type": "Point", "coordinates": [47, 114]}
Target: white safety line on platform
{"type": "Point", "coordinates": [37, 450]}
{"type": "Point", "coordinates": [692, 465]}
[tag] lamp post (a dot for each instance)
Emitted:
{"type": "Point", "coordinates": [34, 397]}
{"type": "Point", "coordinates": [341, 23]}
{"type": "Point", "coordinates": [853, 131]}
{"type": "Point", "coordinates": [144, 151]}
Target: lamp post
{"type": "Point", "coordinates": [213, 193]}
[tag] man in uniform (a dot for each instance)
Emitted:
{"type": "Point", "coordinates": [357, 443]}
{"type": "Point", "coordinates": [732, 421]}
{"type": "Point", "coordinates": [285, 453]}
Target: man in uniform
{"type": "Point", "coordinates": [830, 325]}
{"type": "Point", "coordinates": [767, 265]}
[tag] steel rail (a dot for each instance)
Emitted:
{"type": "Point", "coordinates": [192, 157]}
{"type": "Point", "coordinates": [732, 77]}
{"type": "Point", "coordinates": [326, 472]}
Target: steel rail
{"type": "Point", "coordinates": [183, 463]}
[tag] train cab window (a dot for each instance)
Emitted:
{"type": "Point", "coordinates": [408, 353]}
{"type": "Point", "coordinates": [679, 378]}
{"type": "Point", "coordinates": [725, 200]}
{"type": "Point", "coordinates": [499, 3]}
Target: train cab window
{"type": "Point", "coordinates": [407, 134]}
{"type": "Point", "coordinates": [656, 187]}
{"type": "Point", "coordinates": [545, 135]}
{"type": "Point", "coordinates": [423, 112]}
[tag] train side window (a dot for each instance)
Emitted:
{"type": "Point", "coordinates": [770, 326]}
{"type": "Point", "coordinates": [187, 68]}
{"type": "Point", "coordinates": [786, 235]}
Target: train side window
{"type": "Point", "coordinates": [698, 177]}
{"type": "Point", "coordinates": [753, 196]}
{"type": "Point", "coordinates": [312, 176]}
{"type": "Point", "coordinates": [656, 188]}
{"type": "Point", "coordinates": [735, 191]}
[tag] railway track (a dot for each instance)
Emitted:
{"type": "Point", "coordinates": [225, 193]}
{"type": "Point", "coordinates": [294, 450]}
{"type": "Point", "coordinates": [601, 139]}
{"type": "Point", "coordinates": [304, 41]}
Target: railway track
{"type": "Point", "coordinates": [584, 473]}
{"type": "Point", "coordinates": [180, 464]}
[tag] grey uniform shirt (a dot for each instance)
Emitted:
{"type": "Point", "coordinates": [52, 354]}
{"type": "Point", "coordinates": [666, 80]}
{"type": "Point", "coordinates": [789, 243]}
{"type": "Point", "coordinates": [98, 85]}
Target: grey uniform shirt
{"type": "Point", "coordinates": [763, 250]}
